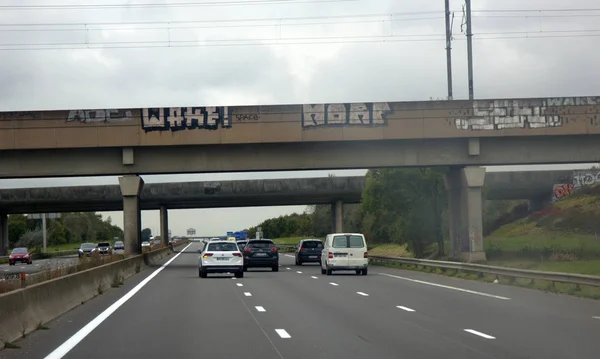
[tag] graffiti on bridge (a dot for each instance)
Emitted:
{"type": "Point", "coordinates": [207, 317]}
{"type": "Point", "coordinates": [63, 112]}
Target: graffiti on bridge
{"type": "Point", "coordinates": [562, 190]}
{"type": "Point", "coordinates": [360, 114]}
{"type": "Point", "coordinates": [586, 178]}
{"type": "Point", "coordinates": [20, 115]}
{"type": "Point", "coordinates": [185, 118]}
{"type": "Point", "coordinates": [95, 116]}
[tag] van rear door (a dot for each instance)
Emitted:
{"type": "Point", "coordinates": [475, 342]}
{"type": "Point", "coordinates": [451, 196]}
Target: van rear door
{"type": "Point", "coordinates": [356, 250]}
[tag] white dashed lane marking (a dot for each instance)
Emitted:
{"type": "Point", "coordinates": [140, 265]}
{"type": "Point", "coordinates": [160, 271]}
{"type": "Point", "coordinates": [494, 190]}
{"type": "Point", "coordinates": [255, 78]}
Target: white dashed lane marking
{"type": "Point", "coordinates": [260, 309]}
{"type": "Point", "coordinates": [247, 294]}
{"type": "Point", "coordinates": [363, 294]}
{"type": "Point", "coordinates": [405, 308]}
{"type": "Point", "coordinates": [483, 335]}
{"type": "Point", "coordinates": [333, 284]}
{"type": "Point", "coordinates": [239, 284]}
{"type": "Point", "coordinates": [299, 272]}
{"type": "Point", "coordinates": [313, 277]}
{"type": "Point", "coordinates": [283, 334]}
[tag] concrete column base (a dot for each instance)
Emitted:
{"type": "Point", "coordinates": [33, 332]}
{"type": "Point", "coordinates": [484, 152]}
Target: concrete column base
{"type": "Point", "coordinates": [164, 225]}
{"type": "Point", "coordinates": [3, 234]}
{"type": "Point", "coordinates": [473, 257]}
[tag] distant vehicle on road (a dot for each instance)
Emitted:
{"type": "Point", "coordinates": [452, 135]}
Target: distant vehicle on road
{"type": "Point", "coordinates": [145, 244]}
{"type": "Point", "coordinates": [345, 251]}
{"type": "Point", "coordinates": [104, 248]}
{"type": "Point", "coordinates": [242, 244]}
{"type": "Point", "coordinates": [119, 248]}
{"type": "Point", "coordinates": [19, 254]}
{"type": "Point", "coordinates": [221, 257]}
{"type": "Point", "coordinates": [86, 249]}
{"type": "Point", "coordinates": [260, 253]}
{"type": "Point", "coordinates": [308, 251]}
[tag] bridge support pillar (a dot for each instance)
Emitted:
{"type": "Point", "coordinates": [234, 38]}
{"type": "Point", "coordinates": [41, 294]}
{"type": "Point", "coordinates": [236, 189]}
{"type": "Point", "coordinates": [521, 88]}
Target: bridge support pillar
{"type": "Point", "coordinates": [131, 187]}
{"type": "Point", "coordinates": [3, 234]}
{"type": "Point", "coordinates": [464, 187]}
{"type": "Point", "coordinates": [337, 216]}
{"type": "Point", "coordinates": [164, 225]}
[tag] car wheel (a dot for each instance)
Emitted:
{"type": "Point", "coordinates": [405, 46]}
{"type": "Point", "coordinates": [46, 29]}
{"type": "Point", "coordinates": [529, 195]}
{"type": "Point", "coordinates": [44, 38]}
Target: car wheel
{"type": "Point", "coordinates": [239, 274]}
{"type": "Point", "coordinates": [30, 262]}
{"type": "Point", "coordinates": [328, 272]}
{"type": "Point", "coordinates": [365, 271]}
{"type": "Point", "coordinates": [275, 268]}
{"type": "Point", "coordinates": [245, 269]}
{"type": "Point", "coordinates": [323, 271]}
{"type": "Point", "coordinates": [358, 271]}
{"type": "Point", "coordinates": [199, 272]}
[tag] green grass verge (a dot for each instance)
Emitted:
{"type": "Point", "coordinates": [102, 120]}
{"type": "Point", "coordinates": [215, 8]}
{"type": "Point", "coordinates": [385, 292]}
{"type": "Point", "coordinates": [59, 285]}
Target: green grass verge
{"type": "Point", "coordinates": [290, 241]}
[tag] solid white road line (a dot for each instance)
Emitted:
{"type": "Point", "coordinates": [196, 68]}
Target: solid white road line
{"type": "Point", "coordinates": [298, 272]}
{"type": "Point", "coordinates": [239, 284]}
{"type": "Point", "coordinates": [405, 308]}
{"type": "Point", "coordinates": [282, 333]}
{"type": "Point", "coordinates": [260, 309]}
{"type": "Point", "coordinates": [67, 346]}
{"type": "Point", "coordinates": [483, 335]}
{"type": "Point", "coordinates": [334, 284]}
{"type": "Point", "coordinates": [446, 286]}
{"type": "Point", "coordinates": [247, 294]}
{"type": "Point", "coordinates": [363, 294]}
{"type": "Point", "coordinates": [313, 277]}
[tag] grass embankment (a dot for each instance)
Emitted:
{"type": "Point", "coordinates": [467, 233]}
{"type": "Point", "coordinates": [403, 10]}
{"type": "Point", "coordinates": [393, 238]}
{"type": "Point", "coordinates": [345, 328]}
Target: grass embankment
{"type": "Point", "coordinates": [563, 237]}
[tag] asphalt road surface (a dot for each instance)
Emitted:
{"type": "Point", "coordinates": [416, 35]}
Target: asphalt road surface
{"type": "Point", "coordinates": [299, 313]}
{"type": "Point", "coordinates": [39, 265]}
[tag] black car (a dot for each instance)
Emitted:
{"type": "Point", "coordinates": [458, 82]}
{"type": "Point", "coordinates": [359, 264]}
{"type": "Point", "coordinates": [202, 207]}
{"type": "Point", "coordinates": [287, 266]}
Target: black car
{"type": "Point", "coordinates": [308, 251]}
{"type": "Point", "coordinates": [86, 249]}
{"type": "Point", "coordinates": [261, 253]}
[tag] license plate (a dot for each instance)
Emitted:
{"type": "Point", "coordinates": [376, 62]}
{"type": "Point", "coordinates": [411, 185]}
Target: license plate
{"type": "Point", "coordinates": [222, 258]}
{"type": "Point", "coordinates": [260, 255]}
{"type": "Point", "coordinates": [312, 257]}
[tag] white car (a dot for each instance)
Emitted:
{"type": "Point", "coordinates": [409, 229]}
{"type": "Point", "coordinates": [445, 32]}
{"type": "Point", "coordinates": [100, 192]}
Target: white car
{"type": "Point", "coordinates": [221, 257]}
{"type": "Point", "coordinates": [345, 251]}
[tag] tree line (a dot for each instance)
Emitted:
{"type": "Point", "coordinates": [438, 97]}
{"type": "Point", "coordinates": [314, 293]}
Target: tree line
{"type": "Point", "coordinates": [72, 227]}
{"type": "Point", "coordinates": [399, 205]}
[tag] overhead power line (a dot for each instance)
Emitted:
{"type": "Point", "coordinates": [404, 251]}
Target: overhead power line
{"type": "Point", "coordinates": [160, 5]}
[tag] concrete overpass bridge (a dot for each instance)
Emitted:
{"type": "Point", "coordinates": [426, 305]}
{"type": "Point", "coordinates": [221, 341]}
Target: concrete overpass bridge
{"type": "Point", "coordinates": [461, 134]}
{"type": "Point", "coordinates": [534, 185]}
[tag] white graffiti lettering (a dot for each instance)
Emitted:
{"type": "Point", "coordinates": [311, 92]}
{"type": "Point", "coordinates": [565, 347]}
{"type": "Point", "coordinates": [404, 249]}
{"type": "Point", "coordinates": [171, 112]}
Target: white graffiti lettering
{"type": "Point", "coordinates": [572, 101]}
{"type": "Point", "coordinates": [94, 116]}
{"type": "Point", "coordinates": [366, 114]}
{"type": "Point", "coordinates": [185, 118]}
{"type": "Point", "coordinates": [505, 114]}
{"type": "Point", "coordinates": [585, 178]}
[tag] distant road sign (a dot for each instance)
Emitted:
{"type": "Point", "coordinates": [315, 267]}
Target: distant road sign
{"type": "Point", "coordinates": [191, 232]}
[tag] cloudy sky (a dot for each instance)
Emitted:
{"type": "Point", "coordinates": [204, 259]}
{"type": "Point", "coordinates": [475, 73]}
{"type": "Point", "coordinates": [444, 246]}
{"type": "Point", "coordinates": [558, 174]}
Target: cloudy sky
{"type": "Point", "coordinates": [242, 52]}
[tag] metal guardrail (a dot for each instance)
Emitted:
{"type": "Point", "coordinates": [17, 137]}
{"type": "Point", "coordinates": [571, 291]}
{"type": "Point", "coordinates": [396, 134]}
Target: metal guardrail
{"type": "Point", "coordinates": [579, 279]}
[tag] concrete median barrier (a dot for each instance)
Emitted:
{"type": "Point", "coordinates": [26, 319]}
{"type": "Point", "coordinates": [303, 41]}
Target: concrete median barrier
{"type": "Point", "coordinates": [23, 310]}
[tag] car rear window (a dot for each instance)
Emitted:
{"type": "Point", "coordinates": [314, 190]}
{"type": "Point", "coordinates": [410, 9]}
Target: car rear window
{"type": "Point", "coordinates": [348, 242]}
{"type": "Point", "coordinates": [262, 244]}
{"type": "Point", "coordinates": [222, 247]}
{"type": "Point", "coordinates": [312, 244]}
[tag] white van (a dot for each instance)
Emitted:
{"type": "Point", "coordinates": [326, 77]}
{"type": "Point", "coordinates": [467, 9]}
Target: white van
{"type": "Point", "coordinates": [345, 251]}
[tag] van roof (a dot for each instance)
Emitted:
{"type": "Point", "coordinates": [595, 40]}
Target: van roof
{"type": "Point", "coordinates": [346, 234]}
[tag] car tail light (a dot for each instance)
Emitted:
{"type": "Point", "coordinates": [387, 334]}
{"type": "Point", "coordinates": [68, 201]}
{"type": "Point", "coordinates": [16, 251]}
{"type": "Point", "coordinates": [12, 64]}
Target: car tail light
{"type": "Point", "coordinates": [302, 249]}
{"type": "Point", "coordinates": [330, 255]}
{"type": "Point", "coordinates": [206, 255]}
{"type": "Point", "coordinates": [273, 249]}
{"type": "Point", "coordinates": [366, 255]}
{"type": "Point", "coordinates": [248, 250]}
{"type": "Point", "coordinates": [237, 254]}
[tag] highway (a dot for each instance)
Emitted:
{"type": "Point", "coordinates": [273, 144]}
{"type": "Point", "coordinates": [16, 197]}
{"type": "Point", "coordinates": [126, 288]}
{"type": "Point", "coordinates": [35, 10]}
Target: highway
{"type": "Point", "coordinates": [39, 265]}
{"type": "Point", "coordinates": [299, 313]}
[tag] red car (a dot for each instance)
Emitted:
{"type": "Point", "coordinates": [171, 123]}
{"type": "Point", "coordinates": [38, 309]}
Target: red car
{"type": "Point", "coordinates": [19, 255]}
